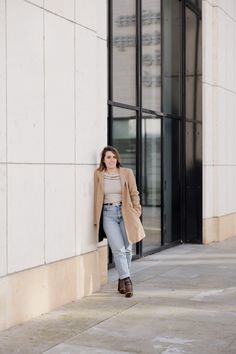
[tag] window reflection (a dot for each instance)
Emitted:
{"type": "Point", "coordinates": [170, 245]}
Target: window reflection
{"type": "Point", "coordinates": [193, 180]}
{"type": "Point", "coordinates": [193, 66]}
{"type": "Point", "coordinates": [171, 169]}
{"type": "Point", "coordinates": [124, 138]}
{"type": "Point", "coordinates": [124, 135]}
{"type": "Point", "coordinates": [163, 75]}
{"type": "Point", "coordinates": [151, 181]}
{"type": "Point", "coordinates": [124, 52]}
{"type": "Point", "coordinates": [172, 57]}
{"type": "Point", "coordinates": [151, 54]}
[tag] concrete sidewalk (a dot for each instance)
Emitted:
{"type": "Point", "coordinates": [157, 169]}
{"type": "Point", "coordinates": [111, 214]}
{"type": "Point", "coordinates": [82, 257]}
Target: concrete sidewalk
{"type": "Point", "coordinates": [184, 302]}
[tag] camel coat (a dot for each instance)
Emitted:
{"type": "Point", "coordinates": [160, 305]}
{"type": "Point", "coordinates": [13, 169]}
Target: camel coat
{"type": "Point", "coordinates": [131, 209]}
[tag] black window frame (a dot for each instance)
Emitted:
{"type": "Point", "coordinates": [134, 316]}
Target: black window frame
{"type": "Point", "coordinates": [159, 115]}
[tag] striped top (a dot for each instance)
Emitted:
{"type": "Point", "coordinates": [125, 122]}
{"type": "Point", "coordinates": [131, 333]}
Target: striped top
{"type": "Point", "coordinates": [112, 188]}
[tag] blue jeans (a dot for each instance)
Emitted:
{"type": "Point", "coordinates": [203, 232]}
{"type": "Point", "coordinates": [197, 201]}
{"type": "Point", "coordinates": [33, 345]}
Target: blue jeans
{"type": "Point", "coordinates": [114, 228]}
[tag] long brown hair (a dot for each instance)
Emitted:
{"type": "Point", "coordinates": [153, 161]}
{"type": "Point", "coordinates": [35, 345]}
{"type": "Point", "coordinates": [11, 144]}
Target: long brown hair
{"type": "Point", "coordinates": [102, 165]}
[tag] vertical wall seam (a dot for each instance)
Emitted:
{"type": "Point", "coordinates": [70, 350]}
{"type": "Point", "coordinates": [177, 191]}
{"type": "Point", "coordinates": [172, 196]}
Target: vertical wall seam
{"type": "Point", "coordinates": [44, 144]}
{"type": "Point", "coordinates": [75, 143]}
{"type": "Point", "coordinates": [215, 109]}
{"type": "Point", "coordinates": [6, 112]}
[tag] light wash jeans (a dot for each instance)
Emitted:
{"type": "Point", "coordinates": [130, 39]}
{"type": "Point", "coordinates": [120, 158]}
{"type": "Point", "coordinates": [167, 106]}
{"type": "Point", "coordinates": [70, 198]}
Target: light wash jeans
{"type": "Point", "coordinates": [114, 228]}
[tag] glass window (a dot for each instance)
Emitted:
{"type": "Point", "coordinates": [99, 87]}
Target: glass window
{"type": "Point", "coordinates": [199, 73]}
{"type": "Point", "coordinates": [124, 138]}
{"type": "Point", "coordinates": [124, 135]}
{"type": "Point", "coordinates": [160, 161]}
{"type": "Point", "coordinates": [193, 153]}
{"type": "Point", "coordinates": [171, 171]}
{"type": "Point", "coordinates": [151, 54]}
{"type": "Point", "coordinates": [124, 52]}
{"type": "Point", "coordinates": [193, 66]}
{"type": "Point", "coordinates": [151, 181]}
{"type": "Point", "coordinates": [171, 56]}
{"type": "Point", "coordinates": [193, 181]}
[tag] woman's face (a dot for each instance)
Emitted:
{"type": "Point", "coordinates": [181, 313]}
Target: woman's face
{"type": "Point", "coordinates": [110, 160]}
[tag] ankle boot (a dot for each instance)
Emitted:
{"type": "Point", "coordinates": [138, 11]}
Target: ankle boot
{"type": "Point", "coordinates": [121, 286]}
{"type": "Point", "coordinates": [128, 287]}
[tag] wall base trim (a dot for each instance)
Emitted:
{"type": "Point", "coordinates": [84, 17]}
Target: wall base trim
{"type": "Point", "coordinates": [219, 228]}
{"type": "Point", "coordinates": [30, 293]}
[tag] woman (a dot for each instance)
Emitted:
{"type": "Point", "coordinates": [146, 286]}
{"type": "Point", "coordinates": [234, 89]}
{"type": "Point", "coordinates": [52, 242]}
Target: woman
{"type": "Point", "coordinates": [117, 213]}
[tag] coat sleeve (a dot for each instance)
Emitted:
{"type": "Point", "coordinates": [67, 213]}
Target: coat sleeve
{"type": "Point", "coordinates": [95, 189]}
{"type": "Point", "coordinates": [134, 194]}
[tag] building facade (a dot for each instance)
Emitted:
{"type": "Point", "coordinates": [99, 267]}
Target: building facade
{"type": "Point", "coordinates": [53, 87]}
{"type": "Point", "coordinates": [167, 69]}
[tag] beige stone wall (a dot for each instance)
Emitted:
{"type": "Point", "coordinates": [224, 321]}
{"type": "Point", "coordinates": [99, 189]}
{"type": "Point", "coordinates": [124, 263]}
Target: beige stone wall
{"type": "Point", "coordinates": [219, 124]}
{"type": "Point", "coordinates": [53, 125]}
{"type": "Point", "coordinates": [30, 293]}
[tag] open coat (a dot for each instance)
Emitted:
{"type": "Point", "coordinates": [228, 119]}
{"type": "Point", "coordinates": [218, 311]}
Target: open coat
{"type": "Point", "coordinates": [131, 208]}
